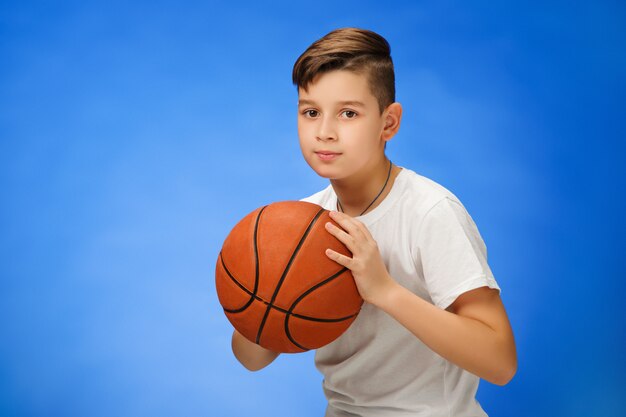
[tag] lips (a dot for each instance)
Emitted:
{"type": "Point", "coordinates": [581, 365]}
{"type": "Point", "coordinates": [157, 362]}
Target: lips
{"type": "Point", "coordinates": [327, 155]}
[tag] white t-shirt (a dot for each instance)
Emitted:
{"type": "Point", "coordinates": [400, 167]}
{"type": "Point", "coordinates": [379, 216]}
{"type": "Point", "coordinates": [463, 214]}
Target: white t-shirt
{"type": "Point", "coordinates": [377, 368]}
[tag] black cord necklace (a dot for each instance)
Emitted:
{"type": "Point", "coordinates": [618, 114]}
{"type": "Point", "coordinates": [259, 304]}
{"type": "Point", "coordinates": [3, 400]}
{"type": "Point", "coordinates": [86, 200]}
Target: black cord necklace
{"type": "Point", "coordinates": [340, 207]}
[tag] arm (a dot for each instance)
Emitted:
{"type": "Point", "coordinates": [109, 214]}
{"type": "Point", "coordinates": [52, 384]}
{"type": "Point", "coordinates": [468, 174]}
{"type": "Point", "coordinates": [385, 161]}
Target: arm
{"type": "Point", "coordinates": [252, 356]}
{"type": "Point", "coordinates": [474, 332]}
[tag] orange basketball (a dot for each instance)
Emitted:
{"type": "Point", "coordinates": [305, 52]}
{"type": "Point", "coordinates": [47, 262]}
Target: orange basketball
{"type": "Point", "coordinates": [277, 286]}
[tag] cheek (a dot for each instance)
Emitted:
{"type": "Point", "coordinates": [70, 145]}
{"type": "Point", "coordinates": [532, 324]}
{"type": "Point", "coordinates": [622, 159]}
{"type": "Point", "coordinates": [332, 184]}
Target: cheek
{"type": "Point", "coordinates": [305, 144]}
{"type": "Point", "coordinates": [358, 136]}
{"type": "Point", "coordinates": [370, 134]}
{"type": "Point", "coordinates": [301, 137]}
{"type": "Point", "coordinates": [304, 134]}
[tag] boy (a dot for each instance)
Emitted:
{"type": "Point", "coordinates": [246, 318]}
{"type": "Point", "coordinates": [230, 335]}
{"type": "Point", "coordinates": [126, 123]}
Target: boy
{"type": "Point", "coordinates": [433, 322]}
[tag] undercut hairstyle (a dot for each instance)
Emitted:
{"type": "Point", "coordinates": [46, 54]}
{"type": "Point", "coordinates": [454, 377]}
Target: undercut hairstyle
{"type": "Point", "coordinates": [358, 50]}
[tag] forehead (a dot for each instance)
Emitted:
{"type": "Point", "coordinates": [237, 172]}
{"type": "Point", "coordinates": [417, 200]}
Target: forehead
{"type": "Point", "coordinates": [338, 86]}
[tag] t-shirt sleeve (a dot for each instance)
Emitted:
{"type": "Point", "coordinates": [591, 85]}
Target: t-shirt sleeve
{"type": "Point", "coordinates": [452, 253]}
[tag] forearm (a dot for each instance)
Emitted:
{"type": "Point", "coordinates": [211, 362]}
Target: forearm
{"type": "Point", "coordinates": [467, 342]}
{"type": "Point", "coordinates": [251, 355]}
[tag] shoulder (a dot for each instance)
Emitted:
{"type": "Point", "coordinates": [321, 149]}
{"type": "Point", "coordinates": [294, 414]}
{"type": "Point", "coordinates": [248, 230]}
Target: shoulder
{"type": "Point", "coordinates": [427, 210]}
{"type": "Point", "coordinates": [422, 195]}
{"type": "Point", "coordinates": [441, 216]}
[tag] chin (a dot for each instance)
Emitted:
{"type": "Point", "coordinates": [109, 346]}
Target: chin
{"type": "Point", "coordinates": [324, 171]}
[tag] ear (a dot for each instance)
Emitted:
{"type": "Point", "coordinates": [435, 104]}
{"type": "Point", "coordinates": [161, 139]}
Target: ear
{"type": "Point", "coordinates": [392, 116]}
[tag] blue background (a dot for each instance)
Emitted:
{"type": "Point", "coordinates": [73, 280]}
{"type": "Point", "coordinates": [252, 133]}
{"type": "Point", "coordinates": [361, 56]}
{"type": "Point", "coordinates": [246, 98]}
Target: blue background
{"type": "Point", "coordinates": [134, 135]}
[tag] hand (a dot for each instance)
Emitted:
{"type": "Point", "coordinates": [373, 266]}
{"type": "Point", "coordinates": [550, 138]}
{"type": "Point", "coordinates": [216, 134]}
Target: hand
{"type": "Point", "coordinates": [369, 272]}
{"type": "Point", "coordinates": [249, 354]}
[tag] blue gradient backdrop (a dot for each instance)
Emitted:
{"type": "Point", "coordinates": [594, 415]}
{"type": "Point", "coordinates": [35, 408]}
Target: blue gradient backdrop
{"type": "Point", "coordinates": [134, 135]}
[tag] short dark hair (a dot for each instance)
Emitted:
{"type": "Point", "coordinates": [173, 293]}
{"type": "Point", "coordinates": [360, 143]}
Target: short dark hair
{"type": "Point", "coordinates": [351, 49]}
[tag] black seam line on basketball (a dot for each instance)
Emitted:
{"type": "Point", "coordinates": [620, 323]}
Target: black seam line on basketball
{"type": "Point", "coordinates": [256, 252]}
{"type": "Point", "coordinates": [302, 297]}
{"type": "Point", "coordinates": [256, 271]}
{"type": "Point", "coordinates": [282, 310]}
{"type": "Point", "coordinates": [247, 291]}
{"type": "Point", "coordinates": [285, 271]}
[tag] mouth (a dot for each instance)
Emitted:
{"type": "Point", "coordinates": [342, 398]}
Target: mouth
{"type": "Point", "coordinates": [327, 155]}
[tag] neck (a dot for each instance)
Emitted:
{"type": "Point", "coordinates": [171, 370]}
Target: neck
{"type": "Point", "coordinates": [356, 193]}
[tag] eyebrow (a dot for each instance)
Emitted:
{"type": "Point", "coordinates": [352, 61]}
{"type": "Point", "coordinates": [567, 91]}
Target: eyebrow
{"type": "Point", "coordinates": [354, 103]}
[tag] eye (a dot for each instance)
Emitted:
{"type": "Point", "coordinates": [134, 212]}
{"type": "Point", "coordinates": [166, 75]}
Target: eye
{"type": "Point", "coordinates": [349, 114]}
{"type": "Point", "coordinates": [310, 113]}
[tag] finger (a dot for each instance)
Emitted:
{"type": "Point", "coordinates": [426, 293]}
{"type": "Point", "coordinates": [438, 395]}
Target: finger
{"type": "Point", "coordinates": [352, 226]}
{"type": "Point", "coordinates": [341, 235]}
{"type": "Point", "coordinates": [364, 230]}
{"type": "Point", "coordinates": [339, 258]}
{"type": "Point", "coordinates": [348, 224]}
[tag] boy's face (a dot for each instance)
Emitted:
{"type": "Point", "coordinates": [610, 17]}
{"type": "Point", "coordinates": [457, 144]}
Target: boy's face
{"type": "Point", "coordinates": [340, 125]}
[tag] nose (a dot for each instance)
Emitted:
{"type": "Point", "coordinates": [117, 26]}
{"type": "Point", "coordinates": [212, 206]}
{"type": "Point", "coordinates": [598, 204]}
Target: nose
{"type": "Point", "coordinates": [326, 129]}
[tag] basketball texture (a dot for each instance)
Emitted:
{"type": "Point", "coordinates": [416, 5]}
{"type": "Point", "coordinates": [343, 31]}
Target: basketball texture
{"type": "Point", "coordinates": [277, 286]}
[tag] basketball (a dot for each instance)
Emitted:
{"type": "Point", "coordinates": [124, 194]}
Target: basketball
{"type": "Point", "coordinates": [277, 286]}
